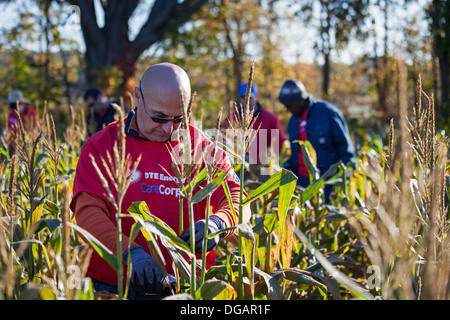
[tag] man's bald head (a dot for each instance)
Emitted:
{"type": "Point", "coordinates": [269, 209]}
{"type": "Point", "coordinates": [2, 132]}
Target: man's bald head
{"type": "Point", "coordinates": [164, 90]}
{"type": "Point", "coordinates": [166, 83]}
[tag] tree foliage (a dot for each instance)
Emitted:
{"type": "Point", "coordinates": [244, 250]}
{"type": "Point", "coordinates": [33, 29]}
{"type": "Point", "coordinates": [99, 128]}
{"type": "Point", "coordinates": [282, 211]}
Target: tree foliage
{"type": "Point", "coordinates": [336, 21]}
{"type": "Point", "coordinates": [216, 40]}
{"type": "Point", "coordinates": [109, 49]}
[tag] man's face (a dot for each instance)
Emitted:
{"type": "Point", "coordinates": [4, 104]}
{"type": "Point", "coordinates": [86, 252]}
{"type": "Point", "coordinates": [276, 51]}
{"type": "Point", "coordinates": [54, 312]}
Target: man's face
{"type": "Point", "coordinates": [96, 104]}
{"type": "Point", "coordinates": [151, 129]}
{"type": "Point", "coordinates": [22, 106]}
{"type": "Point", "coordinates": [297, 107]}
{"type": "Point", "coordinates": [252, 102]}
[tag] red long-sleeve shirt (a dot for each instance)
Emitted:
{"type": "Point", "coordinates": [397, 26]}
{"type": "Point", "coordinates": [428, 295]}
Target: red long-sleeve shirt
{"type": "Point", "coordinates": [150, 183]}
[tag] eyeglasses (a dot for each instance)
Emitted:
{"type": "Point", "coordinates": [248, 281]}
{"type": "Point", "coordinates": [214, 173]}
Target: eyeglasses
{"type": "Point", "coordinates": [157, 119]}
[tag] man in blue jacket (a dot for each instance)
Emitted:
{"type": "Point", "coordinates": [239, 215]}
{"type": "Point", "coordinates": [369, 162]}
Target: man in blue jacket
{"type": "Point", "coordinates": [319, 122]}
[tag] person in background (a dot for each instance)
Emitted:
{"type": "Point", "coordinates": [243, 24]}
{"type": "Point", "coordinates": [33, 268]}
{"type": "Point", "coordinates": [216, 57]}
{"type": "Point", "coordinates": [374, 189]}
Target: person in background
{"type": "Point", "coordinates": [151, 129]}
{"type": "Point", "coordinates": [270, 136]}
{"type": "Point", "coordinates": [17, 101]}
{"type": "Point", "coordinates": [101, 112]}
{"type": "Point", "coordinates": [322, 124]}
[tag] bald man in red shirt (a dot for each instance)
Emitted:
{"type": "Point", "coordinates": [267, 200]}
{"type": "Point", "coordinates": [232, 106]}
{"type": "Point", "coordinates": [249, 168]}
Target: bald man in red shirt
{"type": "Point", "coordinates": [151, 131]}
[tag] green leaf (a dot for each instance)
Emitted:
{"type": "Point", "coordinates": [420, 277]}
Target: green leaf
{"type": "Point", "coordinates": [212, 235]}
{"type": "Point", "coordinates": [152, 244]}
{"type": "Point", "coordinates": [310, 159]}
{"type": "Point", "coordinates": [39, 158]}
{"type": "Point", "coordinates": [164, 232]}
{"type": "Point", "coordinates": [51, 224]}
{"type": "Point", "coordinates": [55, 240]}
{"type": "Point", "coordinates": [271, 222]}
{"type": "Point", "coordinates": [300, 276]}
{"type": "Point", "coordinates": [281, 178]}
{"type": "Point", "coordinates": [210, 187]}
{"type": "Point", "coordinates": [249, 248]}
{"type": "Point", "coordinates": [274, 290]}
{"type": "Point", "coordinates": [43, 247]}
{"type": "Point", "coordinates": [354, 288]}
{"type": "Point", "coordinates": [51, 208]}
{"type": "Point", "coordinates": [287, 188]}
{"type": "Point", "coordinates": [180, 262]}
{"type": "Point", "coordinates": [87, 291]}
{"type": "Point", "coordinates": [313, 189]}
{"type": "Point", "coordinates": [98, 246]}
{"type": "Point", "coordinates": [141, 209]}
{"type": "Point", "coordinates": [226, 188]}
{"type": "Point", "coordinates": [211, 289]}
{"type": "Point", "coordinates": [199, 178]}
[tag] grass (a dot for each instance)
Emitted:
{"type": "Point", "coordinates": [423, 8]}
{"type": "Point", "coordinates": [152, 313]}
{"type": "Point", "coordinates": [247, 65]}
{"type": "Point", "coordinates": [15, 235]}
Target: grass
{"type": "Point", "coordinates": [384, 234]}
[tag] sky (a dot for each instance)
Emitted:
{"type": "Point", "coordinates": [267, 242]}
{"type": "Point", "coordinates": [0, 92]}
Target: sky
{"type": "Point", "coordinates": [297, 44]}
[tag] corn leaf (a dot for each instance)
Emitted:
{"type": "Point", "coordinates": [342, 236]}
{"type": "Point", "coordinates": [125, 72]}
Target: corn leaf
{"type": "Point", "coordinates": [281, 178]}
{"type": "Point", "coordinates": [213, 288]}
{"type": "Point", "coordinates": [51, 224]}
{"type": "Point", "coordinates": [164, 232]}
{"type": "Point", "coordinates": [287, 187]}
{"type": "Point", "coordinates": [271, 222]}
{"type": "Point", "coordinates": [344, 280]}
{"type": "Point", "coordinates": [210, 187]}
{"type": "Point", "coordinates": [310, 159]}
{"type": "Point", "coordinates": [98, 246]}
{"type": "Point", "coordinates": [152, 244]}
{"type": "Point", "coordinates": [141, 209]}
{"type": "Point", "coordinates": [180, 263]}
{"type": "Point", "coordinates": [274, 291]}
{"type": "Point", "coordinates": [226, 189]}
{"type": "Point", "coordinates": [51, 208]}
{"type": "Point", "coordinates": [249, 258]}
{"type": "Point", "coordinates": [86, 291]}
{"type": "Point", "coordinates": [313, 189]}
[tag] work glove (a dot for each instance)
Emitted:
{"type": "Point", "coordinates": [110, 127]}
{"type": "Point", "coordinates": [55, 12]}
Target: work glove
{"type": "Point", "coordinates": [145, 274]}
{"type": "Point", "coordinates": [214, 224]}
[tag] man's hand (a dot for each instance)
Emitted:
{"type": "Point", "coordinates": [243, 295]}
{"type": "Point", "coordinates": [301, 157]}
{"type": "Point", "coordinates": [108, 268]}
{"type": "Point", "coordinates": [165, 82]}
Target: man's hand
{"type": "Point", "coordinates": [214, 224]}
{"type": "Point", "coordinates": [145, 275]}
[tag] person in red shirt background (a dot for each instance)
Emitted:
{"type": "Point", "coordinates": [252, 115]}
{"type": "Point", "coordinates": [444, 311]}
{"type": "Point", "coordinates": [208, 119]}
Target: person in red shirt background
{"type": "Point", "coordinates": [270, 137]}
{"type": "Point", "coordinates": [151, 129]}
{"type": "Point", "coordinates": [16, 99]}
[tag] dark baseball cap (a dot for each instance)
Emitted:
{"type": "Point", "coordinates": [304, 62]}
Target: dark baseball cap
{"type": "Point", "coordinates": [291, 91]}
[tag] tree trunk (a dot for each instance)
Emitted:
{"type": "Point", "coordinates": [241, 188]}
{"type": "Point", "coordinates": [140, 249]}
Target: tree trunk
{"type": "Point", "coordinates": [109, 49]}
{"type": "Point", "coordinates": [237, 58]}
{"type": "Point", "coordinates": [45, 7]}
{"type": "Point", "coordinates": [326, 74]}
{"type": "Point", "coordinates": [444, 68]}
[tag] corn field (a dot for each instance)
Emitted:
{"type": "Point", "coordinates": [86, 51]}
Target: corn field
{"type": "Point", "coordinates": [383, 235]}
